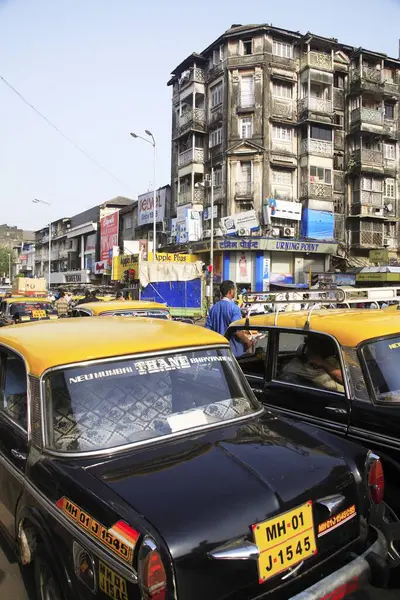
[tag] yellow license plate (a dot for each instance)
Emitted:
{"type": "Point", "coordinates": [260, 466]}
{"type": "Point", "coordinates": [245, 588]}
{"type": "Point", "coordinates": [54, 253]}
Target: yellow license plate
{"type": "Point", "coordinates": [53, 317]}
{"type": "Point", "coordinates": [25, 318]}
{"type": "Point", "coordinates": [38, 314]}
{"type": "Point", "coordinates": [285, 541]}
{"type": "Point", "coordinates": [111, 583]}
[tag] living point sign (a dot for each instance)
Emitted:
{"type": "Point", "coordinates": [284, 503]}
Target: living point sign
{"type": "Point", "coordinates": [253, 243]}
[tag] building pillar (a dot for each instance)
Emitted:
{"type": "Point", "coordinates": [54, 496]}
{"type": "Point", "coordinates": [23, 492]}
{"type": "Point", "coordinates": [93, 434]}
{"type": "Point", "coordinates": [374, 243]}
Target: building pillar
{"type": "Point", "coordinates": [259, 271]}
{"type": "Point", "coordinates": [82, 252]}
{"type": "Point", "coordinates": [226, 261]}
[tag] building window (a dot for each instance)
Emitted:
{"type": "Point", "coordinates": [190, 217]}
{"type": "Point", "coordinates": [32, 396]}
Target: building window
{"type": "Point", "coordinates": [390, 188]}
{"type": "Point", "coordinates": [320, 133]}
{"type": "Point", "coordinates": [247, 91]}
{"type": "Point", "coordinates": [216, 137]}
{"type": "Point", "coordinates": [339, 120]}
{"type": "Point", "coordinates": [246, 127]}
{"type": "Point", "coordinates": [282, 133]}
{"type": "Point", "coordinates": [282, 49]}
{"type": "Point", "coordinates": [388, 75]}
{"type": "Point", "coordinates": [218, 176]}
{"type": "Point", "coordinates": [217, 55]}
{"type": "Point", "coordinates": [371, 185]}
{"type": "Point", "coordinates": [320, 175]}
{"type": "Point", "coordinates": [128, 222]}
{"type": "Point", "coordinates": [216, 95]}
{"type": "Point", "coordinates": [282, 176]}
{"type": "Point", "coordinates": [281, 89]}
{"type": "Point", "coordinates": [338, 80]}
{"type": "Point", "coordinates": [389, 151]}
{"type": "Point", "coordinates": [247, 47]}
{"type": "Point", "coordinates": [389, 110]}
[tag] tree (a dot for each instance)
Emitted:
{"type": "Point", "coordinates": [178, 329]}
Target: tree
{"type": "Point", "coordinates": [5, 260]}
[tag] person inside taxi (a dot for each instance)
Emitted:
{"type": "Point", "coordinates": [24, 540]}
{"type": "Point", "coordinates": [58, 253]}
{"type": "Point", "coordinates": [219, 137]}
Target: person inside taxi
{"type": "Point", "coordinates": [225, 312]}
{"type": "Point", "coordinates": [317, 364]}
{"type": "Point", "coordinates": [119, 296]}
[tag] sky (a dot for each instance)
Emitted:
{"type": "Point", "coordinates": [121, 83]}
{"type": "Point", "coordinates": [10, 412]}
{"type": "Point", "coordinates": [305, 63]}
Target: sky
{"type": "Point", "coordinates": [98, 69]}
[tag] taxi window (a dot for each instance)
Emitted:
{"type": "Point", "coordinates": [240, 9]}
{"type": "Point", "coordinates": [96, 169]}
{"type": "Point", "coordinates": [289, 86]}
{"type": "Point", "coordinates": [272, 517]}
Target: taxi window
{"type": "Point", "coordinates": [382, 359]}
{"type": "Point", "coordinates": [106, 405]}
{"type": "Point", "coordinates": [151, 314]}
{"type": "Point", "coordinates": [28, 308]}
{"type": "Point", "coordinates": [13, 394]}
{"type": "Point", "coordinates": [309, 360]}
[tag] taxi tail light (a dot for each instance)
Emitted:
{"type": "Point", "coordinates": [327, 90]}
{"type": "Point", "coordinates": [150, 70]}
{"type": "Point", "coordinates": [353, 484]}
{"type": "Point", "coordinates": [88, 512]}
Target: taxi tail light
{"type": "Point", "coordinates": [151, 570]}
{"type": "Point", "coordinates": [376, 478]}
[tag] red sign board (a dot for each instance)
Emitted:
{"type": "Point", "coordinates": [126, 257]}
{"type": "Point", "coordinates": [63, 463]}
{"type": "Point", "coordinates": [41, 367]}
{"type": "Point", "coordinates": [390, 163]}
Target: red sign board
{"type": "Point", "coordinates": [108, 235]}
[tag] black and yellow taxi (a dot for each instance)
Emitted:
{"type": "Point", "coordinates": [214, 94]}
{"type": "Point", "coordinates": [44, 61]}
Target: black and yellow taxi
{"type": "Point", "coordinates": [21, 309]}
{"type": "Point", "coordinates": [137, 464]}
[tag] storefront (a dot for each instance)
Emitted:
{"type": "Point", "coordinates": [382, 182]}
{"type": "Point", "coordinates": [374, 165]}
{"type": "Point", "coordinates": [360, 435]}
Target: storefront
{"type": "Point", "coordinates": [256, 262]}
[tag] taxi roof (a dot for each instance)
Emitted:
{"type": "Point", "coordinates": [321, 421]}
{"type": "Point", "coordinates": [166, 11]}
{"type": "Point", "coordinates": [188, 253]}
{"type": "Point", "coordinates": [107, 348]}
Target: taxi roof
{"type": "Point", "coordinates": [349, 326]}
{"type": "Point", "coordinates": [25, 299]}
{"type": "Point", "coordinates": [47, 344]}
{"type": "Point", "coordinates": [99, 307]}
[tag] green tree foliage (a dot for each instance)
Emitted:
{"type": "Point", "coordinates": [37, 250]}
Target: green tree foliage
{"type": "Point", "coordinates": [4, 260]}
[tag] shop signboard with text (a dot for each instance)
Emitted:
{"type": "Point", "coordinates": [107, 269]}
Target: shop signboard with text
{"type": "Point", "coordinates": [240, 223]}
{"type": "Point", "coordinates": [281, 209]}
{"type": "Point", "coordinates": [174, 257]}
{"type": "Point", "coordinates": [108, 235]}
{"type": "Point", "coordinates": [146, 204]}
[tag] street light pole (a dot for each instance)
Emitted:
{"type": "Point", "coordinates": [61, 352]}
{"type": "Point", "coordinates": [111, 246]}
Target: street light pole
{"type": "Point", "coordinates": [9, 267]}
{"type": "Point", "coordinates": [37, 201]}
{"type": "Point", "coordinates": [153, 143]}
{"type": "Point", "coordinates": [212, 239]}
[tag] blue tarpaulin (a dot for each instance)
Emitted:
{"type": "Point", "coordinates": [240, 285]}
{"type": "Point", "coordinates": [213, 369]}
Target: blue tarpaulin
{"type": "Point", "coordinates": [317, 224]}
{"type": "Point", "coordinates": [185, 294]}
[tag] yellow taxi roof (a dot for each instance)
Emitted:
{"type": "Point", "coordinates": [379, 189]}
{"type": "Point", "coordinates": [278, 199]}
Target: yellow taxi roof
{"type": "Point", "coordinates": [26, 299]}
{"type": "Point", "coordinates": [98, 307]}
{"type": "Point", "coordinates": [348, 326]}
{"type": "Point", "coordinates": [47, 344]}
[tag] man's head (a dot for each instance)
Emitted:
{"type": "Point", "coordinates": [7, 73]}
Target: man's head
{"type": "Point", "coordinates": [62, 294]}
{"type": "Point", "coordinates": [94, 294]}
{"type": "Point", "coordinates": [87, 294]}
{"type": "Point", "coordinates": [227, 289]}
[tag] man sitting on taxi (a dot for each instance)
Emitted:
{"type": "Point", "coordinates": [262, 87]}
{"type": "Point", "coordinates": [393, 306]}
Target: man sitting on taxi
{"type": "Point", "coordinates": [316, 364]}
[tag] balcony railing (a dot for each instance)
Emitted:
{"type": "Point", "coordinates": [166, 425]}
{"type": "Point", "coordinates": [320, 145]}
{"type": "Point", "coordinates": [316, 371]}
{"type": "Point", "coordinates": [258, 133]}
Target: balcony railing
{"type": "Point", "coordinates": [317, 147]}
{"type": "Point", "coordinates": [195, 117]}
{"type": "Point", "coordinates": [318, 60]}
{"type": "Point", "coordinates": [321, 191]}
{"type": "Point", "coordinates": [187, 198]}
{"type": "Point", "coordinates": [246, 100]}
{"type": "Point", "coordinates": [195, 155]}
{"type": "Point", "coordinates": [367, 239]}
{"type": "Point", "coordinates": [366, 157]}
{"type": "Point", "coordinates": [316, 105]}
{"type": "Point", "coordinates": [244, 189]}
{"type": "Point", "coordinates": [193, 75]}
{"type": "Point", "coordinates": [367, 115]}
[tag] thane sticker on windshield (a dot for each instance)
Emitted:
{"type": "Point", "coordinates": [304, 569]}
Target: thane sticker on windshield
{"type": "Point", "coordinates": [120, 538]}
{"type": "Point", "coordinates": [394, 346]}
{"type": "Point", "coordinates": [337, 520]}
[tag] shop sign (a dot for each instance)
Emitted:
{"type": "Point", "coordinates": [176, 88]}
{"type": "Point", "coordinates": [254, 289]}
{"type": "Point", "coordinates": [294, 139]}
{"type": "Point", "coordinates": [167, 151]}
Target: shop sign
{"type": "Point", "coordinates": [281, 209]}
{"type": "Point", "coordinates": [207, 213]}
{"type": "Point", "coordinates": [146, 204]}
{"type": "Point", "coordinates": [101, 267]}
{"type": "Point", "coordinates": [108, 234]}
{"type": "Point", "coordinates": [277, 245]}
{"type": "Point", "coordinates": [378, 277]}
{"type": "Point", "coordinates": [345, 279]}
{"type": "Point", "coordinates": [379, 256]}
{"type": "Point", "coordinates": [124, 263]}
{"type": "Point", "coordinates": [173, 257]}
{"type": "Point", "coordinates": [77, 277]}
{"type": "Point", "coordinates": [245, 221]}
{"type": "Point", "coordinates": [194, 226]}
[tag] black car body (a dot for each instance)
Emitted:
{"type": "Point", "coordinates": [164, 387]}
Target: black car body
{"type": "Point", "coordinates": [147, 469]}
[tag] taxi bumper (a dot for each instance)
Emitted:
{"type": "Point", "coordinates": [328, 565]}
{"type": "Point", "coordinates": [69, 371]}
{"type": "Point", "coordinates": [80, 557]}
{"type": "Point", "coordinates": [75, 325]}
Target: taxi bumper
{"type": "Point", "coordinates": [370, 567]}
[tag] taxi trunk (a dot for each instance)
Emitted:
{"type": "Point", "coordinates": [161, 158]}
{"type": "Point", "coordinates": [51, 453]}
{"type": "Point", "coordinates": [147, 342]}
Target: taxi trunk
{"type": "Point", "coordinates": [264, 483]}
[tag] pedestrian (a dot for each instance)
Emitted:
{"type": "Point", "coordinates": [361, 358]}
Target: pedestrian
{"type": "Point", "coordinates": [62, 305]}
{"type": "Point", "coordinates": [86, 298]}
{"type": "Point", "coordinates": [225, 312]}
{"type": "Point", "coordinates": [93, 296]}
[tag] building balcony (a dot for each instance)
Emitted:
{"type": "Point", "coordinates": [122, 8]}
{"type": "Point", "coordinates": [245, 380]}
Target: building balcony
{"type": "Point", "coordinates": [368, 79]}
{"type": "Point", "coordinates": [319, 191]}
{"type": "Point", "coordinates": [193, 155]}
{"type": "Point", "coordinates": [63, 254]}
{"type": "Point", "coordinates": [187, 197]}
{"type": "Point", "coordinates": [367, 238]}
{"type": "Point", "coordinates": [194, 75]}
{"type": "Point", "coordinates": [366, 160]}
{"type": "Point", "coordinates": [316, 147]}
{"type": "Point", "coordinates": [316, 105]}
{"type": "Point", "coordinates": [192, 119]}
{"type": "Point", "coordinates": [370, 116]}
{"type": "Point", "coordinates": [283, 109]}
{"type": "Point", "coordinates": [367, 198]}
{"type": "Point", "coordinates": [317, 60]}
{"type": "Point", "coordinates": [391, 88]}
{"type": "Point", "coordinates": [244, 190]}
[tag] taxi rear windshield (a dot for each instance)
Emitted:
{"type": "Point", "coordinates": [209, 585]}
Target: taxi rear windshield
{"type": "Point", "coordinates": [151, 313]}
{"type": "Point", "coordinates": [111, 404]}
{"type": "Point", "coordinates": [27, 308]}
{"type": "Point", "coordinates": [382, 359]}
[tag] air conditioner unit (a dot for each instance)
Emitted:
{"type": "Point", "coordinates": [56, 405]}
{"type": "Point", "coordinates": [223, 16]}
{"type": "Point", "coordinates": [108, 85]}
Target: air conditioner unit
{"type": "Point", "coordinates": [288, 231]}
{"type": "Point", "coordinates": [217, 232]}
{"type": "Point", "coordinates": [276, 232]}
{"type": "Point", "coordinates": [244, 231]}
{"type": "Point", "coordinates": [206, 234]}
{"type": "Point", "coordinates": [170, 240]}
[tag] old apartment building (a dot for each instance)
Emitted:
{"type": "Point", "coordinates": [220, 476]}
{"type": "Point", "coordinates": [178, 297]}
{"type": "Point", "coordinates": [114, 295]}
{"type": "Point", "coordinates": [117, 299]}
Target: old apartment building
{"type": "Point", "coordinates": [302, 123]}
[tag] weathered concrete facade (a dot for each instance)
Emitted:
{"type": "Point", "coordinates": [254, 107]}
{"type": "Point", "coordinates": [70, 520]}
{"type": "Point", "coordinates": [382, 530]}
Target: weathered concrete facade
{"type": "Point", "coordinates": [291, 117]}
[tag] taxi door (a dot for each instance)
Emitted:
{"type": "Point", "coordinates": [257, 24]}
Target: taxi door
{"type": "Point", "coordinates": [13, 436]}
